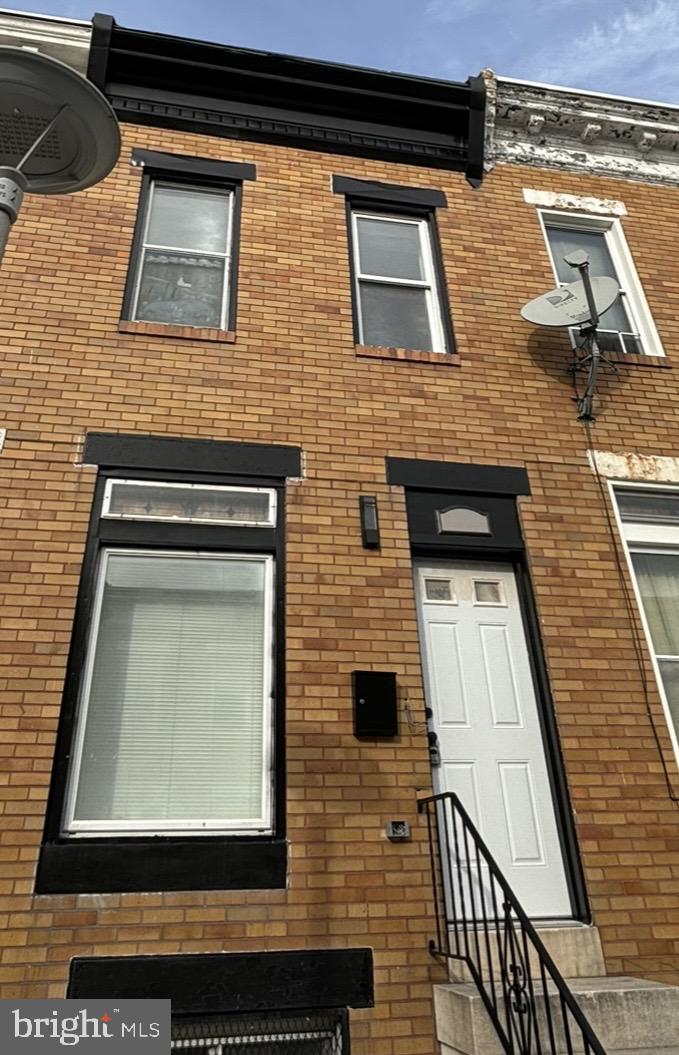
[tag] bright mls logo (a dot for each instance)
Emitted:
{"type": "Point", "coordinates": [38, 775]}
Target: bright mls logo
{"type": "Point", "coordinates": [121, 1027]}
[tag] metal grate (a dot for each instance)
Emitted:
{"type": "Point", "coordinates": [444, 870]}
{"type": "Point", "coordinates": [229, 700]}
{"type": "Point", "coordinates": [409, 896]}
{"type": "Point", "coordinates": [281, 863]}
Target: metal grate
{"type": "Point", "coordinates": [19, 132]}
{"type": "Point", "coordinates": [269, 1033]}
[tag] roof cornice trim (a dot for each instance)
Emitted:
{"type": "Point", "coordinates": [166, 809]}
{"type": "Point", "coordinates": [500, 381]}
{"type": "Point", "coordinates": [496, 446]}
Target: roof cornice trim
{"type": "Point", "coordinates": [561, 128]}
{"type": "Point", "coordinates": [215, 89]}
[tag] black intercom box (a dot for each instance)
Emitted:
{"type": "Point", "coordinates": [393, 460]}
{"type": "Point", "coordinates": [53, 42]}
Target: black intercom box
{"type": "Point", "coordinates": [375, 704]}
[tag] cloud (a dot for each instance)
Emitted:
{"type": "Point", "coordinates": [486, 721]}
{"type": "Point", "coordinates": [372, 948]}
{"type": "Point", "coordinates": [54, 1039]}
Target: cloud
{"type": "Point", "coordinates": [635, 52]}
{"type": "Point", "coordinates": [446, 12]}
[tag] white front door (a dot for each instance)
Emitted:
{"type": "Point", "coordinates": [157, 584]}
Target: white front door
{"type": "Point", "coordinates": [480, 689]}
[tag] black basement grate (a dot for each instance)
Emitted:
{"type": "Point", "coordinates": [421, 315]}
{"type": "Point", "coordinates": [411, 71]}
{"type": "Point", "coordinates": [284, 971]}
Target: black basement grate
{"type": "Point", "coordinates": [271, 1033]}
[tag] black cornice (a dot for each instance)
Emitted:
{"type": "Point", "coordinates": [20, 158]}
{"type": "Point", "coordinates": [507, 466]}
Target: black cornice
{"type": "Point", "coordinates": [156, 79]}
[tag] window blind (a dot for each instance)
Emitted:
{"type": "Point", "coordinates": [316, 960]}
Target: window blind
{"type": "Point", "coordinates": [174, 725]}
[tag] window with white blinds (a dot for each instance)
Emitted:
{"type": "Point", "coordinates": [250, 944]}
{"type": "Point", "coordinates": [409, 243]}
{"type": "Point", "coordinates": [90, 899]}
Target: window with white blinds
{"type": "Point", "coordinates": [649, 522]}
{"type": "Point", "coordinates": [174, 728]}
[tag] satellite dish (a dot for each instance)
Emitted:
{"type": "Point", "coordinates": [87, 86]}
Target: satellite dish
{"type": "Point", "coordinates": [84, 143]}
{"type": "Point", "coordinates": [567, 305]}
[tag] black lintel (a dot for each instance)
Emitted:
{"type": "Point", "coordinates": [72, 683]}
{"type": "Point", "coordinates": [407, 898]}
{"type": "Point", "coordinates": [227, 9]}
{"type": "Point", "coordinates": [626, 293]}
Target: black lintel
{"type": "Point", "coordinates": [231, 982]}
{"type": "Point", "coordinates": [124, 451]}
{"type": "Point", "coordinates": [191, 166]}
{"type": "Point", "coordinates": [458, 476]}
{"type": "Point", "coordinates": [429, 197]}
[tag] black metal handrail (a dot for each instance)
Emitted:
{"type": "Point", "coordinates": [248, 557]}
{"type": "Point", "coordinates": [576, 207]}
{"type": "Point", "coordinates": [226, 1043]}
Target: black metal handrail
{"type": "Point", "coordinates": [480, 921]}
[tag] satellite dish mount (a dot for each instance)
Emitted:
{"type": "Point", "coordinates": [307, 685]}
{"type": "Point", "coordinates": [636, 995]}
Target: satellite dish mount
{"type": "Point", "coordinates": [593, 357]}
{"type": "Point", "coordinates": [580, 304]}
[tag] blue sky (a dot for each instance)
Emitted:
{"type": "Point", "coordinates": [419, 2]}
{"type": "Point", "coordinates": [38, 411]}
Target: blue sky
{"type": "Point", "coordinates": [626, 47]}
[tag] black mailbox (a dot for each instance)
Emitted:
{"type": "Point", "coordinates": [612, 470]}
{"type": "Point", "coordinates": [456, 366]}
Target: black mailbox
{"type": "Point", "coordinates": [375, 703]}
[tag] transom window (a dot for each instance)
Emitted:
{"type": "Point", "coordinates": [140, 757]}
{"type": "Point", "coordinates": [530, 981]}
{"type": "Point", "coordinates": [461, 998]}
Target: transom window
{"type": "Point", "coordinates": [397, 301]}
{"type": "Point", "coordinates": [649, 519]}
{"type": "Point", "coordinates": [190, 503]}
{"type": "Point", "coordinates": [627, 326]}
{"type": "Point", "coordinates": [184, 259]}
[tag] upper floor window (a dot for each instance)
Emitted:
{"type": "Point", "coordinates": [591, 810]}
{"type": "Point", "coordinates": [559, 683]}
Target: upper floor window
{"type": "Point", "coordinates": [182, 268]}
{"type": "Point", "coordinates": [184, 255]}
{"type": "Point", "coordinates": [627, 327]}
{"type": "Point", "coordinates": [397, 299]}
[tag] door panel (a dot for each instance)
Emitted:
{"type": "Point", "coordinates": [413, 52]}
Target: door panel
{"type": "Point", "coordinates": [480, 690]}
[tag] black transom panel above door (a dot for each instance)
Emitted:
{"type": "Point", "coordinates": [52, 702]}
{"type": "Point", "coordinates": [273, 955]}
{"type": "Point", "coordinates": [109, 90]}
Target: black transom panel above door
{"type": "Point", "coordinates": [442, 520]}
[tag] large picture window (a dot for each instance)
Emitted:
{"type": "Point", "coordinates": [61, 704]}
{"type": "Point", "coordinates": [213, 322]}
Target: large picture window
{"type": "Point", "coordinates": [169, 771]}
{"type": "Point", "coordinates": [174, 729]}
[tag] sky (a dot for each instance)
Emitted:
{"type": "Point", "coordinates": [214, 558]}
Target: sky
{"type": "Point", "coordinates": [623, 47]}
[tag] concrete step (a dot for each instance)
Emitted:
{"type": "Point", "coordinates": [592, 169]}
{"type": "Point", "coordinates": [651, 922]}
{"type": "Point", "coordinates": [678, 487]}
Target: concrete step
{"type": "Point", "coordinates": [576, 951]}
{"type": "Point", "coordinates": [628, 1015]}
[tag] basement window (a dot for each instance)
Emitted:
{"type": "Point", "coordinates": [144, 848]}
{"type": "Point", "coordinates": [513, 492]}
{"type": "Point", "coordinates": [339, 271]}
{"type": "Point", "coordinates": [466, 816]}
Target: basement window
{"type": "Point", "coordinates": [264, 1033]}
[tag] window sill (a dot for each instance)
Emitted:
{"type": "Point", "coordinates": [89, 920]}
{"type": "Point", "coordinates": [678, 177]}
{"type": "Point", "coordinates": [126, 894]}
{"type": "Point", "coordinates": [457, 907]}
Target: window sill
{"type": "Point", "coordinates": [184, 333]}
{"type": "Point", "coordinates": [114, 866]}
{"type": "Point", "coordinates": [406, 355]}
{"type": "Point", "coordinates": [639, 360]}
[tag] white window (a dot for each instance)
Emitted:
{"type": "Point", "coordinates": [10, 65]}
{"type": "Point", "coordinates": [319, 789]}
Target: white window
{"type": "Point", "coordinates": [174, 728]}
{"type": "Point", "coordinates": [183, 267]}
{"type": "Point", "coordinates": [649, 522]}
{"type": "Point", "coordinates": [627, 326]}
{"type": "Point", "coordinates": [397, 301]}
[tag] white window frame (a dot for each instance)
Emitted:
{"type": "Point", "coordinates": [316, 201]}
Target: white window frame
{"type": "Point", "coordinates": [252, 826]}
{"type": "Point", "coordinates": [228, 196]}
{"type": "Point", "coordinates": [634, 298]}
{"type": "Point", "coordinates": [110, 484]}
{"type": "Point", "coordinates": [652, 538]}
{"type": "Point", "coordinates": [425, 578]}
{"type": "Point", "coordinates": [429, 283]}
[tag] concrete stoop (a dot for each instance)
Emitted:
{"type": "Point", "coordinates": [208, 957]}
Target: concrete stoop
{"type": "Point", "coordinates": [629, 1015]}
{"type": "Point", "coordinates": [576, 951]}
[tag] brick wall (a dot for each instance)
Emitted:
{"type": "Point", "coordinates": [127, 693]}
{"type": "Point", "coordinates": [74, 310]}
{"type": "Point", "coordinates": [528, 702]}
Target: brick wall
{"type": "Point", "coordinates": [291, 375]}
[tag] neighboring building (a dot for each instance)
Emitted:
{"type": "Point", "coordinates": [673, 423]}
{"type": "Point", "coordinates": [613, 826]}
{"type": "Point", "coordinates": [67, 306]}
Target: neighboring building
{"type": "Point", "coordinates": [269, 406]}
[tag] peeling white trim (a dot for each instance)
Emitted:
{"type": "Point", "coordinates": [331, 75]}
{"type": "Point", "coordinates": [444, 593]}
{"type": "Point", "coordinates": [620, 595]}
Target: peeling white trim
{"type": "Point", "coordinates": [553, 200]}
{"type": "Point", "coordinates": [644, 468]}
{"type": "Point", "coordinates": [566, 90]}
{"type": "Point", "coordinates": [3, 433]}
{"type": "Point", "coordinates": [580, 131]}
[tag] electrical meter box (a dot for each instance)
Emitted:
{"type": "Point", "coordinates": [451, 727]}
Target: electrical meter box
{"type": "Point", "coordinates": [375, 703]}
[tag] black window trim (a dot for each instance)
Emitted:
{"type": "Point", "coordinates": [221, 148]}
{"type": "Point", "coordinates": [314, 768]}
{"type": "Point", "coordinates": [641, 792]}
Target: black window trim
{"type": "Point", "coordinates": [181, 170]}
{"type": "Point", "coordinates": [411, 203]}
{"type": "Point", "coordinates": [110, 864]}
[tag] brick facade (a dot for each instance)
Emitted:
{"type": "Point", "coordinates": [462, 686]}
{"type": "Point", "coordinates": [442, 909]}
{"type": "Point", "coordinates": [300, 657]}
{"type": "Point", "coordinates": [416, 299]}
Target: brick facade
{"type": "Point", "coordinates": [292, 375]}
